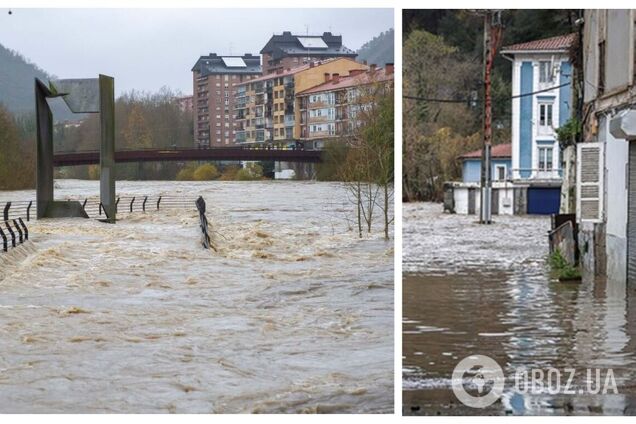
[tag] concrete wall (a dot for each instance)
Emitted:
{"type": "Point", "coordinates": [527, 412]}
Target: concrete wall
{"type": "Point", "coordinates": [505, 198]}
{"type": "Point", "coordinates": [616, 155]}
{"type": "Point", "coordinates": [620, 51]}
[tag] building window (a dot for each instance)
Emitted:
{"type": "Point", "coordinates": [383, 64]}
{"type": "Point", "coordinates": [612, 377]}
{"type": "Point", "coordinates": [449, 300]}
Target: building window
{"type": "Point", "coordinates": [545, 115]}
{"type": "Point", "coordinates": [545, 71]}
{"type": "Point", "coordinates": [545, 158]}
{"type": "Point", "coordinates": [500, 172]}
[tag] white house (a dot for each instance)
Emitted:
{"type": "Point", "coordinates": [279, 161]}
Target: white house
{"type": "Point", "coordinates": [541, 90]}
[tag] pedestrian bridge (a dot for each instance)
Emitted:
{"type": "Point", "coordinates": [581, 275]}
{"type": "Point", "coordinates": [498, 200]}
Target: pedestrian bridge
{"type": "Point", "coordinates": [183, 155]}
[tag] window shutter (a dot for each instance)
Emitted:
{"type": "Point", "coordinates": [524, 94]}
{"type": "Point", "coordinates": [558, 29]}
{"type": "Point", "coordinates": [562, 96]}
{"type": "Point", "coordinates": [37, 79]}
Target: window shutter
{"type": "Point", "coordinates": [589, 187]}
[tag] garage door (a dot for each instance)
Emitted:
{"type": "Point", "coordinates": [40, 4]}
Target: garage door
{"type": "Point", "coordinates": [544, 200]}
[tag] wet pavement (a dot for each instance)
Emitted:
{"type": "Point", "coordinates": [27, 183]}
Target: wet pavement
{"type": "Point", "coordinates": [471, 289]}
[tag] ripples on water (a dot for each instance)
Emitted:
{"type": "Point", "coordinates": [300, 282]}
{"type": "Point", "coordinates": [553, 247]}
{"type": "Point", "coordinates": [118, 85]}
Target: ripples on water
{"type": "Point", "coordinates": [294, 314]}
{"type": "Point", "coordinates": [473, 289]}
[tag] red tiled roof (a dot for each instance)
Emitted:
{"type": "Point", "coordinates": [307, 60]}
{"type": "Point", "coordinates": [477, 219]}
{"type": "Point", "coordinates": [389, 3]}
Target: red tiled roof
{"type": "Point", "coordinates": [350, 81]}
{"type": "Point", "coordinates": [497, 151]}
{"type": "Point", "coordinates": [558, 43]}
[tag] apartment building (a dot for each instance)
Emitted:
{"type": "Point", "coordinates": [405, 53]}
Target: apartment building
{"type": "Point", "coordinates": [330, 110]}
{"type": "Point", "coordinates": [289, 50]}
{"type": "Point", "coordinates": [267, 107]}
{"type": "Point", "coordinates": [215, 79]}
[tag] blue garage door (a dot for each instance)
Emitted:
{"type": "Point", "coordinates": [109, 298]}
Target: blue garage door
{"type": "Point", "coordinates": [543, 200]}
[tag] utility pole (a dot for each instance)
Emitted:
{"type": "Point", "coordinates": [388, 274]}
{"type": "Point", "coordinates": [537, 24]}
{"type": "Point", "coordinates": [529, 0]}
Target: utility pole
{"type": "Point", "coordinates": [492, 38]}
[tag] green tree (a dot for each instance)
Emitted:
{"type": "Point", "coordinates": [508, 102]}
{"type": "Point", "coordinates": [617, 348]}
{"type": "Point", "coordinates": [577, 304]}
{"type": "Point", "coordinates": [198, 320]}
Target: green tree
{"type": "Point", "coordinates": [252, 171]}
{"type": "Point", "coordinates": [205, 172]}
{"type": "Point", "coordinates": [17, 158]}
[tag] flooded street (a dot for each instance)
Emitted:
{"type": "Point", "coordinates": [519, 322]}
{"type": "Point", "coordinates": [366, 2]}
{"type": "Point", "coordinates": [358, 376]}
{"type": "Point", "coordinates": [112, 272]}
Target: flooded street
{"type": "Point", "coordinates": [292, 314]}
{"type": "Point", "coordinates": [471, 289]}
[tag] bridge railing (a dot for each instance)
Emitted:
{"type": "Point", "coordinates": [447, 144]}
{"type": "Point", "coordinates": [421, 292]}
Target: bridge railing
{"type": "Point", "coordinates": [287, 147]}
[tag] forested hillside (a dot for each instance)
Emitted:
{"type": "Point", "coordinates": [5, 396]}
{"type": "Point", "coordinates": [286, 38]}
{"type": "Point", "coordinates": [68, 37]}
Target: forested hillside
{"type": "Point", "coordinates": [379, 50]}
{"type": "Point", "coordinates": [442, 59]}
{"type": "Point", "coordinates": [17, 76]}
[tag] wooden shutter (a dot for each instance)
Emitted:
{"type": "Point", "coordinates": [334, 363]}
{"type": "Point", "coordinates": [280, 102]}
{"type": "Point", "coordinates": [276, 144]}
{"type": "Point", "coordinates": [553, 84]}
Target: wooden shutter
{"type": "Point", "coordinates": [589, 182]}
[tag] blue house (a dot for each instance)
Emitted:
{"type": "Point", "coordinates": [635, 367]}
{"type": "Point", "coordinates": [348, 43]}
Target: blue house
{"type": "Point", "coordinates": [527, 173]}
{"type": "Point", "coordinates": [501, 163]}
{"type": "Point", "coordinates": [541, 90]}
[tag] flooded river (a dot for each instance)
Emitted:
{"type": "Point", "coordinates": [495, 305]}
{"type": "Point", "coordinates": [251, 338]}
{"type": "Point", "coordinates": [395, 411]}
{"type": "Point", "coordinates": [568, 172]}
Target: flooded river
{"type": "Point", "coordinates": [471, 289]}
{"type": "Point", "coordinates": [292, 314]}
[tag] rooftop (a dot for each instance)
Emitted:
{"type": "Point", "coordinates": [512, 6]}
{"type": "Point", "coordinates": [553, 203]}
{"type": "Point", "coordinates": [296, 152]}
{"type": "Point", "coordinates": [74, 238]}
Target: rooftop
{"type": "Point", "coordinates": [560, 43]}
{"type": "Point", "coordinates": [288, 44]}
{"type": "Point", "coordinates": [294, 70]}
{"type": "Point", "coordinates": [497, 151]}
{"type": "Point", "coordinates": [215, 64]}
{"type": "Point", "coordinates": [352, 80]}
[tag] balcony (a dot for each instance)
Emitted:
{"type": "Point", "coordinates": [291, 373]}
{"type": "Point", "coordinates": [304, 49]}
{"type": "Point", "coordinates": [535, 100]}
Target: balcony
{"type": "Point", "coordinates": [536, 174]}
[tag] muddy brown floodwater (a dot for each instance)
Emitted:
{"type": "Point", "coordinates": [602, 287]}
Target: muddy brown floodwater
{"type": "Point", "coordinates": [293, 314]}
{"type": "Point", "coordinates": [471, 289]}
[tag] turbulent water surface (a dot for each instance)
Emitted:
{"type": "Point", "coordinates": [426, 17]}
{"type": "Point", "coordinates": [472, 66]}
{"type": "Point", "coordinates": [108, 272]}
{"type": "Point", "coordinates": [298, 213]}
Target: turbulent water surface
{"type": "Point", "coordinates": [472, 289]}
{"type": "Point", "coordinates": [292, 314]}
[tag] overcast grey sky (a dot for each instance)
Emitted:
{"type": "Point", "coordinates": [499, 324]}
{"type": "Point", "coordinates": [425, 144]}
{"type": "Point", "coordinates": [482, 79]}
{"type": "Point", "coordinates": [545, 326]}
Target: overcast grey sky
{"type": "Point", "coordinates": [146, 49]}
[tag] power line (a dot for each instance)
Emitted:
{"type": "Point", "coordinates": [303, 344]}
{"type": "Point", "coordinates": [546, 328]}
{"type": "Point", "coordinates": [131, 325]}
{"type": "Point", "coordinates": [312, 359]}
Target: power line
{"type": "Point", "coordinates": [433, 100]}
{"type": "Point", "coordinates": [425, 99]}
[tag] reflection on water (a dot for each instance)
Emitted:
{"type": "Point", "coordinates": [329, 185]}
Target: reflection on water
{"type": "Point", "coordinates": [294, 314]}
{"type": "Point", "coordinates": [472, 289]}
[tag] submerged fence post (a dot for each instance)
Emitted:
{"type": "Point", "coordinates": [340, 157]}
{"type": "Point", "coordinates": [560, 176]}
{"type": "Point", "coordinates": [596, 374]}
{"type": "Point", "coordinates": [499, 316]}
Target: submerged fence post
{"type": "Point", "coordinates": [5, 247]}
{"type": "Point", "coordinates": [17, 227]}
{"type": "Point", "coordinates": [203, 222]}
{"type": "Point", "coordinates": [29, 210]}
{"type": "Point", "coordinates": [143, 205]}
{"type": "Point", "coordinates": [24, 228]}
{"type": "Point", "coordinates": [131, 204]}
{"type": "Point", "coordinates": [158, 201]}
{"type": "Point", "coordinates": [6, 211]}
{"type": "Point", "coordinates": [11, 233]}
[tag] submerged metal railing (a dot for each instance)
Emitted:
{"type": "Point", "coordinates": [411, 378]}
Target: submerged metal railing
{"type": "Point", "coordinates": [14, 231]}
{"type": "Point", "coordinates": [92, 206]}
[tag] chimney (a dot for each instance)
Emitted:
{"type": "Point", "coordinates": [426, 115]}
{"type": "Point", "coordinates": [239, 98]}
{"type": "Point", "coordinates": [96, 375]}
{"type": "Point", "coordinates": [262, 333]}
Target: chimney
{"type": "Point", "coordinates": [212, 54]}
{"type": "Point", "coordinates": [336, 78]}
{"type": "Point", "coordinates": [328, 77]}
{"type": "Point", "coordinates": [287, 33]}
{"type": "Point", "coordinates": [389, 69]}
{"type": "Point", "coordinates": [373, 66]}
{"type": "Point", "coordinates": [354, 72]}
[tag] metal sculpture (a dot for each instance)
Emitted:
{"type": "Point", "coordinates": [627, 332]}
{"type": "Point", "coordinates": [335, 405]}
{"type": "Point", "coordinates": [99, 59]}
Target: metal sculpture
{"type": "Point", "coordinates": [91, 95]}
